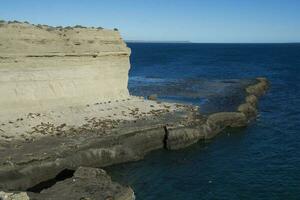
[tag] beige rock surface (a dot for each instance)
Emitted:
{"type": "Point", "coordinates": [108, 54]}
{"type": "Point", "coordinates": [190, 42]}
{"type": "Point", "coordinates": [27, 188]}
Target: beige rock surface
{"type": "Point", "coordinates": [58, 79]}
{"type": "Point", "coordinates": [42, 68]}
{"type": "Point", "coordinates": [13, 196]}
{"type": "Point", "coordinates": [97, 116]}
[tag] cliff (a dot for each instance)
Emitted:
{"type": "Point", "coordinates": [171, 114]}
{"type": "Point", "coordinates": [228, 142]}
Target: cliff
{"type": "Point", "coordinates": [65, 80]}
{"type": "Point", "coordinates": [42, 67]}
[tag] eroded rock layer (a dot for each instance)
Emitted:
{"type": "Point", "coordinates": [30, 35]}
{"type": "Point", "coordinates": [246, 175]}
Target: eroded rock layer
{"type": "Point", "coordinates": [127, 141]}
{"type": "Point", "coordinates": [43, 67]}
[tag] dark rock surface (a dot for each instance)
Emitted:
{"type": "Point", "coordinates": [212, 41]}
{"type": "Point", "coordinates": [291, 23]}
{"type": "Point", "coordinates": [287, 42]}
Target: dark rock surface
{"type": "Point", "coordinates": [87, 183]}
{"type": "Point", "coordinates": [26, 164]}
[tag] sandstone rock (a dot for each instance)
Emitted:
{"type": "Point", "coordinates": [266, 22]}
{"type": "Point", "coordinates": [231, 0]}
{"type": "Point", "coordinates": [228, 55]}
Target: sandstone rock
{"type": "Point", "coordinates": [251, 99]}
{"type": "Point", "coordinates": [219, 121]}
{"type": "Point", "coordinates": [87, 172]}
{"type": "Point", "coordinates": [13, 196]}
{"type": "Point", "coordinates": [152, 97]}
{"type": "Point", "coordinates": [181, 137]}
{"type": "Point", "coordinates": [259, 88]}
{"type": "Point", "coordinates": [54, 70]}
{"type": "Point", "coordinates": [249, 110]}
{"type": "Point", "coordinates": [87, 183]}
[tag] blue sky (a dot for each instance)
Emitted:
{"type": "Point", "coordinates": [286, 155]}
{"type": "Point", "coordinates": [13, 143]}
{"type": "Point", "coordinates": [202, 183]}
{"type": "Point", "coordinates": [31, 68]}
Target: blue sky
{"type": "Point", "coordinates": [193, 20]}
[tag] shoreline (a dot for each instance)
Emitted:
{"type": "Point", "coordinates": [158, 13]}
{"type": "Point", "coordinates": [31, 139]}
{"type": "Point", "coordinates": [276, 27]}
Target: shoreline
{"type": "Point", "coordinates": [174, 130]}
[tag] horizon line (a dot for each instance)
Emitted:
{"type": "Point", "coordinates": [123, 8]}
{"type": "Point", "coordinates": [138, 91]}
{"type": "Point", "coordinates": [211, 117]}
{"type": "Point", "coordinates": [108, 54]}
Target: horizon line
{"type": "Point", "coordinates": [193, 42]}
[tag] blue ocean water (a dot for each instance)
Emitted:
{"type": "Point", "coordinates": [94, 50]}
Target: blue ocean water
{"type": "Point", "coordinates": [261, 161]}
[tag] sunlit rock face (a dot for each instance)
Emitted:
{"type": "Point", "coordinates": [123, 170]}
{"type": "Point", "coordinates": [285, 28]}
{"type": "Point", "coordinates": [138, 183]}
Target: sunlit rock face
{"type": "Point", "coordinates": [43, 67]}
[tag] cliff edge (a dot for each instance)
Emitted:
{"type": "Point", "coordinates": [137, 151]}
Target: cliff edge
{"type": "Point", "coordinates": [43, 67]}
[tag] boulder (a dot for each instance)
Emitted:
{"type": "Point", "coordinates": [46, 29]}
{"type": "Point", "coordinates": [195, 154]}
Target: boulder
{"type": "Point", "coordinates": [152, 97]}
{"type": "Point", "coordinates": [87, 183]}
{"type": "Point", "coordinates": [13, 196]}
{"type": "Point", "coordinates": [251, 99]}
{"type": "Point", "coordinates": [247, 109]}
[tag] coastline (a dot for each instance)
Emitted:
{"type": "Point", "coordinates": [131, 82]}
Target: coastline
{"type": "Point", "coordinates": [68, 113]}
{"type": "Point", "coordinates": [171, 131]}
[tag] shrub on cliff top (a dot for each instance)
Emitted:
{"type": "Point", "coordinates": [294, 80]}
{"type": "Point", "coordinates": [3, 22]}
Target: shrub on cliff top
{"type": "Point", "coordinates": [2, 23]}
{"type": "Point", "coordinates": [68, 28]}
{"type": "Point", "coordinates": [60, 28]}
{"type": "Point", "coordinates": [115, 29]}
{"type": "Point", "coordinates": [14, 22]}
{"type": "Point", "coordinates": [79, 26]}
{"type": "Point", "coordinates": [51, 29]}
{"type": "Point", "coordinates": [39, 26]}
{"type": "Point", "coordinates": [99, 28]}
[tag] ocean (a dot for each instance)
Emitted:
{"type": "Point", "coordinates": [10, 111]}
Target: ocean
{"type": "Point", "coordinates": [261, 161]}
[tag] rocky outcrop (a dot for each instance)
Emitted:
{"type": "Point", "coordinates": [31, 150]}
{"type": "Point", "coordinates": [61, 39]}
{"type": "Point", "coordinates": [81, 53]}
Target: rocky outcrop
{"type": "Point", "coordinates": [44, 67]}
{"type": "Point", "coordinates": [180, 137]}
{"type": "Point", "coordinates": [87, 183]}
{"type": "Point", "coordinates": [14, 196]}
{"type": "Point", "coordinates": [259, 88]}
{"type": "Point", "coordinates": [45, 158]}
{"type": "Point", "coordinates": [127, 142]}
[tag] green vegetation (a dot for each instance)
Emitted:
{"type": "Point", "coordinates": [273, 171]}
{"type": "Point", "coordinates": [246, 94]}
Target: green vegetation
{"type": "Point", "coordinates": [51, 29]}
{"type": "Point", "coordinates": [39, 26]}
{"type": "Point", "coordinates": [14, 22]}
{"type": "Point", "coordinates": [68, 28]}
{"type": "Point", "coordinates": [115, 29]}
{"type": "Point", "coordinates": [79, 26]}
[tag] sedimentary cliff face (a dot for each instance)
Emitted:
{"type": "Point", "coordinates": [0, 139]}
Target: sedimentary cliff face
{"type": "Point", "coordinates": [43, 67]}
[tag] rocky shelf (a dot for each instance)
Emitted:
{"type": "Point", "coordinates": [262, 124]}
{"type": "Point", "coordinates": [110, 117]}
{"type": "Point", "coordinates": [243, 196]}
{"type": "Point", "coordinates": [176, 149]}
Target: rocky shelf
{"type": "Point", "coordinates": [25, 165]}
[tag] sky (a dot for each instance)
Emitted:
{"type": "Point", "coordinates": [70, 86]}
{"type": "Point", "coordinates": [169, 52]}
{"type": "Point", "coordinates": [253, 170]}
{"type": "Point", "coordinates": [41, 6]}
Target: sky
{"type": "Point", "coordinates": [205, 21]}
